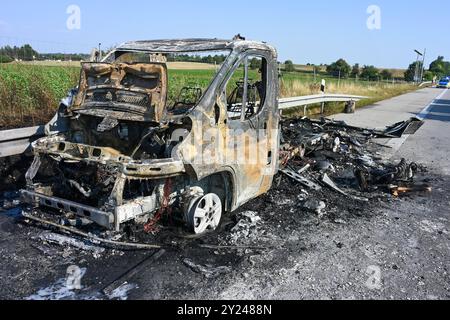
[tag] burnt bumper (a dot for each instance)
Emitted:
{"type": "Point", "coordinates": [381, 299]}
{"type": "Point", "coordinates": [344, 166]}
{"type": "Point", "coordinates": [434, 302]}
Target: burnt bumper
{"type": "Point", "coordinates": [109, 220]}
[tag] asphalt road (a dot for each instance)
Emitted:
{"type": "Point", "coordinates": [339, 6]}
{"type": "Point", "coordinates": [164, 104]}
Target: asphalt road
{"type": "Point", "coordinates": [429, 104]}
{"type": "Point", "coordinates": [400, 250]}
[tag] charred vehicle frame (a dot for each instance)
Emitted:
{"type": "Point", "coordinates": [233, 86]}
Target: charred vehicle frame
{"type": "Point", "coordinates": [117, 153]}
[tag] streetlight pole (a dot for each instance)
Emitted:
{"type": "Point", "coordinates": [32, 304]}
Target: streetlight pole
{"type": "Point", "coordinates": [423, 65]}
{"type": "Point", "coordinates": [417, 71]}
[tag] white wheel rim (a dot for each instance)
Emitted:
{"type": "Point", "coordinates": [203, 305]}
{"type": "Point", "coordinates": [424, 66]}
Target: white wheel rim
{"type": "Point", "coordinates": [206, 213]}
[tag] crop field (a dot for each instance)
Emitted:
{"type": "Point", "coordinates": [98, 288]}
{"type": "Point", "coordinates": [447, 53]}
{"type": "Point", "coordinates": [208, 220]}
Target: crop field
{"type": "Point", "coordinates": [45, 63]}
{"type": "Point", "coordinates": [30, 93]}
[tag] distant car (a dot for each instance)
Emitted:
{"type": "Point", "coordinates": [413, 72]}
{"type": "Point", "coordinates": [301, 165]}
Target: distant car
{"type": "Point", "coordinates": [444, 83]}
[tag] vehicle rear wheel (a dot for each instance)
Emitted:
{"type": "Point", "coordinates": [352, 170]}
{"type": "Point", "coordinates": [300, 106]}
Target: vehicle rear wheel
{"type": "Point", "coordinates": [204, 213]}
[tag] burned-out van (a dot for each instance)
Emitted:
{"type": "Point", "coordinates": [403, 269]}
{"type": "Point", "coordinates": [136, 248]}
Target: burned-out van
{"type": "Point", "coordinates": [151, 131]}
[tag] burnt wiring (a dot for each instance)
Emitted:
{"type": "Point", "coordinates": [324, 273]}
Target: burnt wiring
{"type": "Point", "coordinates": [165, 207]}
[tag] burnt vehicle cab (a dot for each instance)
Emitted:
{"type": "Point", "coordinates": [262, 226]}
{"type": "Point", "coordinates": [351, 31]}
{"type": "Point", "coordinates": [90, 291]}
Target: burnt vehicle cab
{"type": "Point", "coordinates": [136, 140]}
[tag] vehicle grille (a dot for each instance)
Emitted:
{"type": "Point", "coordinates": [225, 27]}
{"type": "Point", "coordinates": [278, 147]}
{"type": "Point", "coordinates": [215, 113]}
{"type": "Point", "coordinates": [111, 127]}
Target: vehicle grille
{"type": "Point", "coordinates": [137, 99]}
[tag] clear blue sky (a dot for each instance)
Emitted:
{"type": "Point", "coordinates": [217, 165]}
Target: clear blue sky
{"type": "Point", "coordinates": [314, 31]}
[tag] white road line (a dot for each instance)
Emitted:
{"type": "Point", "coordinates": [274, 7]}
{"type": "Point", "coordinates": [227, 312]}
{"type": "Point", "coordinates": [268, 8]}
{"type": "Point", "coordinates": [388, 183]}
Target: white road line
{"type": "Point", "coordinates": [396, 144]}
{"type": "Point", "coordinates": [441, 104]}
{"type": "Point", "coordinates": [428, 108]}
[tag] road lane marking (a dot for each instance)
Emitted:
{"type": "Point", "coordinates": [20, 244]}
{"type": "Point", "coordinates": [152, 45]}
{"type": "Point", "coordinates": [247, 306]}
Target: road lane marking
{"type": "Point", "coordinates": [396, 144]}
{"type": "Point", "coordinates": [427, 110]}
{"type": "Point", "coordinates": [441, 104]}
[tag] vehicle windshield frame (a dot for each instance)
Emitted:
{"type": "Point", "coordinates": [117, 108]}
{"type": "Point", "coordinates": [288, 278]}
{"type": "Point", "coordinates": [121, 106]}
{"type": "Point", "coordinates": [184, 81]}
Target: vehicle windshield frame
{"type": "Point", "coordinates": [113, 56]}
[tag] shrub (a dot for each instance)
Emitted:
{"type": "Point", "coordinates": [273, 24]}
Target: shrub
{"type": "Point", "coordinates": [370, 73]}
{"type": "Point", "coordinates": [339, 68]}
{"type": "Point", "coordinates": [386, 75]}
{"type": "Point", "coordinates": [289, 66]}
{"type": "Point", "coordinates": [5, 59]}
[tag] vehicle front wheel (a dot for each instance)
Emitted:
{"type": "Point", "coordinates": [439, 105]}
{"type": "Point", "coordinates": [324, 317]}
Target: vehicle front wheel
{"type": "Point", "coordinates": [204, 213]}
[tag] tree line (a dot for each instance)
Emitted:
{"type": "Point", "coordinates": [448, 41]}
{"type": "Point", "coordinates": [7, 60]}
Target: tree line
{"type": "Point", "coordinates": [27, 53]}
{"type": "Point", "coordinates": [438, 68]}
{"type": "Point", "coordinates": [216, 59]}
{"type": "Point", "coordinates": [344, 70]}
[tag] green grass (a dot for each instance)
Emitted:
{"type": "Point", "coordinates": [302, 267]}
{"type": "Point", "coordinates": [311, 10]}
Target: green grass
{"type": "Point", "coordinates": [198, 78]}
{"type": "Point", "coordinates": [30, 94]}
{"type": "Point", "coordinates": [179, 79]}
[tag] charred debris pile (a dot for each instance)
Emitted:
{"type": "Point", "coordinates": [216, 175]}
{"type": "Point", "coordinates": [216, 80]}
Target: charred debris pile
{"type": "Point", "coordinates": [325, 156]}
{"type": "Point", "coordinates": [326, 167]}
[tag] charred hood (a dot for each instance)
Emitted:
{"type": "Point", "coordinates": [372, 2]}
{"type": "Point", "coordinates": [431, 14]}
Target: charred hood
{"type": "Point", "coordinates": [135, 92]}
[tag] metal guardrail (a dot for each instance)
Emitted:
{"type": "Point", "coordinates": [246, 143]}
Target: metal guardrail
{"type": "Point", "coordinates": [287, 103]}
{"type": "Point", "coordinates": [425, 83]}
{"type": "Point", "coordinates": [17, 141]}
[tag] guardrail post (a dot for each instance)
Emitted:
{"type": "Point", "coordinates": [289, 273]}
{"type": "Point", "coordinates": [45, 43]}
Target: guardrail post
{"type": "Point", "coordinates": [350, 106]}
{"type": "Point", "coordinates": [322, 88]}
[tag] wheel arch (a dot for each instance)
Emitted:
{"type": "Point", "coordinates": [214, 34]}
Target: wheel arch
{"type": "Point", "coordinates": [223, 184]}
